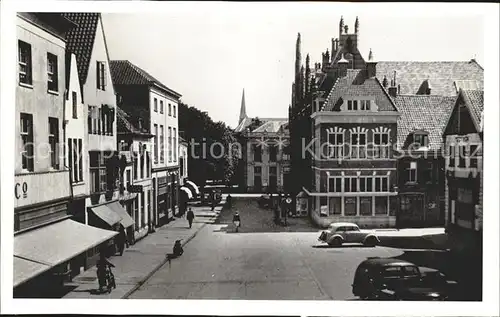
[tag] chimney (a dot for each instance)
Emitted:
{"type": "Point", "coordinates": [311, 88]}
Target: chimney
{"type": "Point", "coordinates": [371, 66]}
{"type": "Point", "coordinates": [385, 82]}
{"type": "Point", "coordinates": [394, 90]}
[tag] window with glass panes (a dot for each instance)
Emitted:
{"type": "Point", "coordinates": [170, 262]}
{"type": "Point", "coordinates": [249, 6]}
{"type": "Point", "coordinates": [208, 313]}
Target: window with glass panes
{"type": "Point", "coordinates": [336, 144]}
{"type": "Point", "coordinates": [161, 106]}
{"type": "Point", "coordinates": [175, 145]}
{"type": "Point", "coordinates": [101, 75]}
{"type": "Point", "coordinates": [365, 184]}
{"type": "Point", "coordinates": [155, 143]}
{"type": "Point", "coordinates": [52, 80]}
{"type": "Point", "coordinates": [473, 155]}
{"type": "Point", "coordinates": [381, 144]}
{"type": "Point", "coordinates": [169, 144]}
{"type": "Point", "coordinates": [358, 144]}
{"type": "Point", "coordinates": [351, 184]}
{"type": "Point", "coordinates": [54, 142]}
{"type": "Point", "coordinates": [335, 184]}
{"type": "Point", "coordinates": [27, 152]}
{"type": "Point", "coordinates": [74, 100]}
{"type": "Point", "coordinates": [381, 183]}
{"type": "Point", "coordinates": [97, 168]}
{"type": "Point", "coordinates": [24, 60]}
{"type": "Point", "coordinates": [412, 172]}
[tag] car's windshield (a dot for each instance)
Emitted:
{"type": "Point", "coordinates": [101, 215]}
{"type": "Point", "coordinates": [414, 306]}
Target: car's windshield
{"type": "Point", "coordinates": [353, 228]}
{"type": "Point", "coordinates": [410, 271]}
{"type": "Point", "coordinates": [392, 271]}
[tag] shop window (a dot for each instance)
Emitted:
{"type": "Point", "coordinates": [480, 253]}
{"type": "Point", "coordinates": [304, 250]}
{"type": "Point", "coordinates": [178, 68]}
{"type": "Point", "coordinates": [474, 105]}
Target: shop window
{"type": "Point", "coordinates": [350, 206]}
{"type": "Point", "coordinates": [365, 206]}
{"type": "Point", "coordinates": [381, 206]}
{"type": "Point", "coordinates": [335, 206]}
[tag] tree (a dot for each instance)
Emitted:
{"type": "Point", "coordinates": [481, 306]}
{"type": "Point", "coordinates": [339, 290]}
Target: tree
{"type": "Point", "coordinates": [210, 151]}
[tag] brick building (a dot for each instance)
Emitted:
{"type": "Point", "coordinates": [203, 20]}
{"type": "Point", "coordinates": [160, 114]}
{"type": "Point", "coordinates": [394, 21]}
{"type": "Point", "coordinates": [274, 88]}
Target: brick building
{"type": "Point", "coordinates": [349, 103]}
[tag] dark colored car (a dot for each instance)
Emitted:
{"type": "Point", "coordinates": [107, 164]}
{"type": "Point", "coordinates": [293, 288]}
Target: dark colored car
{"type": "Point", "coordinates": [393, 279]}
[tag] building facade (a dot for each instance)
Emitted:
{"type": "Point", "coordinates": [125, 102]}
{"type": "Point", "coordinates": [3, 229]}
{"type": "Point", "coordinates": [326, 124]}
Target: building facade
{"type": "Point", "coordinates": [46, 240]}
{"type": "Point", "coordinates": [265, 158]}
{"type": "Point", "coordinates": [147, 98]}
{"type": "Point", "coordinates": [136, 183]}
{"type": "Point", "coordinates": [464, 173]}
{"type": "Point", "coordinates": [421, 163]}
{"type": "Point", "coordinates": [344, 82]}
{"type": "Point", "coordinates": [102, 208]}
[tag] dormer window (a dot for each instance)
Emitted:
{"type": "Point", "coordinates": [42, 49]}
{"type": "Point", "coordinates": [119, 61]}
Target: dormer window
{"type": "Point", "coordinates": [421, 139]}
{"type": "Point", "coordinates": [355, 105]}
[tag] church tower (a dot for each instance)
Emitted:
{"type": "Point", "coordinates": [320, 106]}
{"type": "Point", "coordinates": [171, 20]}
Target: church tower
{"type": "Point", "coordinates": [243, 110]}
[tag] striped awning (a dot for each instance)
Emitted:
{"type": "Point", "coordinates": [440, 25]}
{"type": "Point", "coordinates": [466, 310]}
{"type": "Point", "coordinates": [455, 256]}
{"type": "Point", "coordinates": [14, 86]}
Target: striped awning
{"type": "Point", "coordinates": [193, 187]}
{"type": "Point", "coordinates": [187, 191]}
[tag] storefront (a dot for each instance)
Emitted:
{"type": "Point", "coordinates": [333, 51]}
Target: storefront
{"type": "Point", "coordinates": [37, 266]}
{"type": "Point", "coordinates": [162, 199]}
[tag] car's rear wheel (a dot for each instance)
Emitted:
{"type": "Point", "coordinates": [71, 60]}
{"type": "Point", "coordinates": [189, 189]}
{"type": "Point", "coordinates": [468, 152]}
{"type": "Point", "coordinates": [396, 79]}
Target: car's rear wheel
{"type": "Point", "coordinates": [371, 242]}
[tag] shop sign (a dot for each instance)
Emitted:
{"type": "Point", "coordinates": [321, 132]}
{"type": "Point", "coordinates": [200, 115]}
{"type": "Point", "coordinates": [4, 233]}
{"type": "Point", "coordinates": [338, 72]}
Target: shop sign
{"type": "Point", "coordinates": [135, 188]}
{"type": "Point", "coordinates": [21, 190]}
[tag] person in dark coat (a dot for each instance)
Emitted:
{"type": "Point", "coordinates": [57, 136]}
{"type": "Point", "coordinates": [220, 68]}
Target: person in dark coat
{"type": "Point", "coordinates": [102, 265]}
{"type": "Point", "coordinates": [121, 239]}
{"type": "Point", "coordinates": [190, 217]}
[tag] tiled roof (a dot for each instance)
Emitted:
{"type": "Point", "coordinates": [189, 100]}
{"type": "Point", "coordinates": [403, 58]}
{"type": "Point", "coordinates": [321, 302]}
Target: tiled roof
{"type": "Point", "coordinates": [124, 72]}
{"type": "Point", "coordinates": [125, 126]}
{"type": "Point", "coordinates": [272, 126]}
{"type": "Point", "coordinates": [354, 84]}
{"type": "Point", "coordinates": [267, 124]}
{"type": "Point", "coordinates": [80, 40]}
{"type": "Point", "coordinates": [441, 75]}
{"type": "Point", "coordinates": [474, 99]}
{"type": "Point", "coordinates": [423, 112]}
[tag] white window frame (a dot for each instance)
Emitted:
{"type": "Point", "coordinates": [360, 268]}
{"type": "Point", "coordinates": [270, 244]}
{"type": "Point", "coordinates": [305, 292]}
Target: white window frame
{"type": "Point", "coordinates": [52, 72]}
{"type": "Point", "coordinates": [424, 139]}
{"type": "Point", "coordinates": [381, 149]}
{"type": "Point", "coordinates": [161, 107]}
{"type": "Point", "coordinates": [25, 63]}
{"type": "Point", "coordinates": [169, 144]}
{"type": "Point", "coordinates": [334, 190]}
{"type": "Point", "coordinates": [380, 179]}
{"type": "Point", "coordinates": [27, 138]}
{"type": "Point", "coordinates": [413, 167]}
{"type": "Point", "coordinates": [359, 131]}
{"type": "Point", "coordinates": [175, 144]}
{"type": "Point", "coordinates": [366, 179]}
{"type": "Point", "coordinates": [53, 143]}
{"type": "Point", "coordinates": [335, 150]}
{"type": "Point", "coordinates": [155, 104]}
{"type": "Point", "coordinates": [350, 180]}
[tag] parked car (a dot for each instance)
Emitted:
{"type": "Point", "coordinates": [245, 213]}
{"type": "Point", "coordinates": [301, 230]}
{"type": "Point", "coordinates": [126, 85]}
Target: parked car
{"type": "Point", "coordinates": [393, 279]}
{"type": "Point", "coordinates": [345, 232]}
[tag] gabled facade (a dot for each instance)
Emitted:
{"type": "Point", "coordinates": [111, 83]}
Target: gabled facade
{"type": "Point", "coordinates": [421, 163]}
{"type": "Point", "coordinates": [47, 243]}
{"type": "Point", "coordinates": [102, 209]}
{"type": "Point", "coordinates": [353, 163]}
{"type": "Point", "coordinates": [463, 139]}
{"type": "Point", "coordinates": [136, 186]}
{"type": "Point", "coordinates": [264, 165]}
{"type": "Point", "coordinates": [145, 97]}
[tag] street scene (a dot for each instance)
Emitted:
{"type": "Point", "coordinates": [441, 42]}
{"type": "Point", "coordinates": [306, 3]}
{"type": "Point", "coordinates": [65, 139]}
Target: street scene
{"type": "Point", "coordinates": [351, 175]}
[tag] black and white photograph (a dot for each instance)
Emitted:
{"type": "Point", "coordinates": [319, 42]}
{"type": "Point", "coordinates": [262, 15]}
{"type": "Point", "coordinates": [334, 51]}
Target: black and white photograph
{"type": "Point", "coordinates": [322, 157]}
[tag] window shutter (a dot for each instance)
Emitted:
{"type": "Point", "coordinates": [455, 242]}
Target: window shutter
{"type": "Point", "coordinates": [97, 72]}
{"type": "Point", "coordinates": [103, 75]}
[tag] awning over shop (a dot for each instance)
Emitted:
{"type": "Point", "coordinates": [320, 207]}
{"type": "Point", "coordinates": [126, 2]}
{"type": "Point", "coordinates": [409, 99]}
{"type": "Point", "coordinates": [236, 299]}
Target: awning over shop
{"type": "Point", "coordinates": [187, 191]}
{"type": "Point", "coordinates": [193, 187]}
{"type": "Point", "coordinates": [126, 221]}
{"type": "Point", "coordinates": [39, 250]}
{"type": "Point", "coordinates": [106, 214]}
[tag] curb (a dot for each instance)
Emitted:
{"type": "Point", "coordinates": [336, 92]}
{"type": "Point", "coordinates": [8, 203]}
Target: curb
{"type": "Point", "coordinates": [163, 262]}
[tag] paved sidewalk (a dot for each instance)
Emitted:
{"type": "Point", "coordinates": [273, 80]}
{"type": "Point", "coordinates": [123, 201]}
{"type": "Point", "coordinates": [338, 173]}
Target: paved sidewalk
{"type": "Point", "coordinates": [141, 260]}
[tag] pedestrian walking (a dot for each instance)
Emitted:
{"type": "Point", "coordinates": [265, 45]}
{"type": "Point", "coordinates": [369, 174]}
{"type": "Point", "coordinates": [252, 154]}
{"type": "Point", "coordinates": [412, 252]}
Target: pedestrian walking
{"type": "Point", "coordinates": [190, 217]}
{"type": "Point", "coordinates": [121, 239]}
{"type": "Point", "coordinates": [103, 265]}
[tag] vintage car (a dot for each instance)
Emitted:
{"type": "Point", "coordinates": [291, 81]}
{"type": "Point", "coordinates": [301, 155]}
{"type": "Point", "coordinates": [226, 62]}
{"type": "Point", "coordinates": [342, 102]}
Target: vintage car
{"type": "Point", "coordinates": [394, 279]}
{"type": "Point", "coordinates": [344, 232]}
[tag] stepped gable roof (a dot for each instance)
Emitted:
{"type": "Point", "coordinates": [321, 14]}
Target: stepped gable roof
{"type": "Point", "coordinates": [474, 100]}
{"type": "Point", "coordinates": [354, 84]}
{"type": "Point", "coordinates": [80, 40]}
{"type": "Point", "coordinates": [124, 126]}
{"type": "Point", "coordinates": [124, 72]}
{"type": "Point", "coordinates": [442, 75]}
{"type": "Point", "coordinates": [423, 113]}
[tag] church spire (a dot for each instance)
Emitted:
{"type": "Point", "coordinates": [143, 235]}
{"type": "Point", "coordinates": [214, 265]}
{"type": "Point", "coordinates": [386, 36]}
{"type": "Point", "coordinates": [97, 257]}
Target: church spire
{"type": "Point", "coordinates": [243, 110]}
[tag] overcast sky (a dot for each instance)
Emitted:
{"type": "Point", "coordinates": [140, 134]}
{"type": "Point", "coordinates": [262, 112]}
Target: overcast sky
{"type": "Point", "coordinates": [210, 55]}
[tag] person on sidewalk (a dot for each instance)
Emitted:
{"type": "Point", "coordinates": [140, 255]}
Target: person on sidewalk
{"type": "Point", "coordinates": [102, 265]}
{"type": "Point", "coordinates": [190, 217]}
{"type": "Point", "coordinates": [121, 239]}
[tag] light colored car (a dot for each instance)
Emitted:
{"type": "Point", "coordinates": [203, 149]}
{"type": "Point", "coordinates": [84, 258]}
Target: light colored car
{"type": "Point", "coordinates": [345, 232]}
